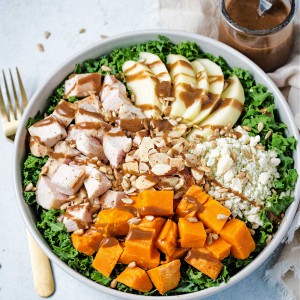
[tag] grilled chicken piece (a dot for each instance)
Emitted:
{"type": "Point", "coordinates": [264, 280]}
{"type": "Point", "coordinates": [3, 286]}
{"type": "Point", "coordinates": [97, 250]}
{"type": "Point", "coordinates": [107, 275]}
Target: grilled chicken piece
{"type": "Point", "coordinates": [63, 150]}
{"type": "Point", "coordinates": [65, 112]}
{"type": "Point", "coordinates": [113, 83]}
{"type": "Point", "coordinates": [81, 85]}
{"type": "Point", "coordinates": [68, 179]}
{"type": "Point", "coordinates": [38, 149]}
{"type": "Point", "coordinates": [53, 164]}
{"type": "Point", "coordinates": [96, 184]}
{"type": "Point", "coordinates": [77, 217]}
{"type": "Point", "coordinates": [112, 199]}
{"type": "Point", "coordinates": [129, 111]}
{"type": "Point", "coordinates": [88, 110]}
{"type": "Point", "coordinates": [90, 146]}
{"type": "Point", "coordinates": [114, 143]}
{"type": "Point", "coordinates": [47, 196]}
{"type": "Point", "coordinates": [112, 99]}
{"type": "Point", "coordinates": [48, 131]}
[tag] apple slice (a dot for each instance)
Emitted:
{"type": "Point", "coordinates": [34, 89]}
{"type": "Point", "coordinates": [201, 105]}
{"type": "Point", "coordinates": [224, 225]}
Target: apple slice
{"type": "Point", "coordinates": [228, 110]}
{"type": "Point", "coordinates": [187, 102]}
{"type": "Point", "coordinates": [160, 70]}
{"type": "Point", "coordinates": [201, 76]}
{"type": "Point", "coordinates": [143, 83]}
{"type": "Point", "coordinates": [215, 79]}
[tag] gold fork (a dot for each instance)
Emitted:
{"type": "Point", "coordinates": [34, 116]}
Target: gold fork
{"type": "Point", "coordinates": [41, 268]}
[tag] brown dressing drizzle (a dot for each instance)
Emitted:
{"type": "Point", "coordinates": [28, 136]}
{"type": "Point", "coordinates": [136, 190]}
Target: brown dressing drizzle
{"type": "Point", "coordinates": [65, 109]}
{"type": "Point", "coordinates": [209, 100]}
{"type": "Point", "coordinates": [89, 113]}
{"type": "Point", "coordinates": [182, 63]}
{"type": "Point", "coordinates": [109, 242]}
{"type": "Point", "coordinates": [222, 103]}
{"type": "Point", "coordinates": [116, 133]}
{"type": "Point", "coordinates": [197, 207]}
{"type": "Point", "coordinates": [190, 94]}
{"type": "Point", "coordinates": [163, 88]}
{"type": "Point", "coordinates": [136, 233]}
{"type": "Point", "coordinates": [215, 78]}
{"type": "Point", "coordinates": [194, 254]}
{"type": "Point", "coordinates": [45, 122]}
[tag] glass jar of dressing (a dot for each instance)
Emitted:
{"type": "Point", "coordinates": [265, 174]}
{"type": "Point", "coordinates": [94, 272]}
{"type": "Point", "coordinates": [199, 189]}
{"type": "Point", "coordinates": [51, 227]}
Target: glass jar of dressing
{"type": "Point", "coordinates": [267, 40]}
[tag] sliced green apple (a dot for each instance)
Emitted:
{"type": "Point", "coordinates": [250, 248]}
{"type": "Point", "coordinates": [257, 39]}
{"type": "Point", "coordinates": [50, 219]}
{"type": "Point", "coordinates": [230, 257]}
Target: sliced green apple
{"type": "Point", "coordinates": [201, 76]}
{"type": "Point", "coordinates": [215, 79]}
{"type": "Point", "coordinates": [228, 110]}
{"type": "Point", "coordinates": [187, 102]}
{"type": "Point", "coordinates": [160, 70]}
{"type": "Point", "coordinates": [143, 83]}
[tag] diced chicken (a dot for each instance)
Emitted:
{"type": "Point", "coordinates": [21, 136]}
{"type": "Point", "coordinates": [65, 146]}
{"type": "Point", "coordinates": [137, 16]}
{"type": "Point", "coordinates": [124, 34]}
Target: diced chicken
{"type": "Point", "coordinates": [112, 199]}
{"type": "Point", "coordinates": [88, 110]}
{"type": "Point", "coordinates": [114, 143]}
{"type": "Point", "coordinates": [90, 129]}
{"type": "Point", "coordinates": [53, 164]}
{"type": "Point", "coordinates": [77, 217]}
{"type": "Point", "coordinates": [48, 131]}
{"type": "Point", "coordinates": [38, 149]}
{"type": "Point", "coordinates": [63, 149]}
{"type": "Point", "coordinates": [90, 146]}
{"type": "Point", "coordinates": [68, 179]}
{"type": "Point", "coordinates": [96, 183]}
{"type": "Point", "coordinates": [81, 85]}
{"type": "Point", "coordinates": [47, 196]}
{"type": "Point", "coordinates": [113, 99]}
{"type": "Point", "coordinates": [65, 112]}
{"type": "Point", "coordinates": [129, 111]}
{"type": "Point", "coordinates": [113, 83]}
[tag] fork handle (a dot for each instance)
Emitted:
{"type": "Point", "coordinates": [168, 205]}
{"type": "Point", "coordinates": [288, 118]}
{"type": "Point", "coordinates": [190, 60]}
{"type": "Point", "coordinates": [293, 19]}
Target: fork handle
{"type": "Point", "coordinates": [41, 269]}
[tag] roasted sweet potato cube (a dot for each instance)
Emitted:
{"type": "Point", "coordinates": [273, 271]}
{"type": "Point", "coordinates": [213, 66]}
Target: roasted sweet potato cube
{"type": "Point", "coordinates": [140, 241]}
{"type": "Point", "coordinates": [107, 256]}
{"type": "Point", "coordinates": [192, 234]}
{"type": "Point", "coordinates": [113, 222]}
{"type": "Point", "coordinates": [157, 224]}
{"type": "Point", "coordinates": [136, 278]}
{"type": "Point", "coordinates": [141, 261]}
{"type": "Point", "coordinates": [167, 239]}
{"type": "Point", "coordinates": [166, 277]}
{"type": "Point", "coordinates": [219, 248]}
{"type": "Point", "coordinates": [88, 243]}
{"type": "Point", "coordinates": [196, 192]}
{"type": "Point", "coordinates": [156, 203]}
{"type": "Point", "coordinates": [236, 233]}
{"type": "Point", "coordinates": [179, 253]}
{"type": "Point", "coordinates": [214, 215]}
{"type": "Point", "coordinates": [203, 260]}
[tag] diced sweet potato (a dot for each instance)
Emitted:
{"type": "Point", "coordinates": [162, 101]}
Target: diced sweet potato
{"type": "Point", "coordinates": [107, 256]}
{"type": "Point", "coordinates": [166, 277]}
{"type": "Point", "coordinates": [88, 243]}
{"type": "Point", "coordinates": [157, 224]}
{"type": "Point", "coordinates": [141, 261]}
{"type": "Point", "coordinates": [214, 215]}
{"type": "Point", "coordinates": [179, 253]}
{"type": "Point", "coordinates": [203, 260]}
{"type": "Point", "coordinates": [156, 203]}
{"type": "Point", "coordinates": [219, 248]}
{"type": "Point", "coordinates": [140, 241]}
{"type": "Point", "coordinates": [167, 239]}
{"type": "Point", "coordinates": [136, 278]}
{"type": "Point", "coordinates": [192, 234]}
{"type": "Point", "coordinates": [196, 192]}
{"type": "Point", "coordinates": [113, 222]}
{"type": "Point", "coordinates": [236, 233]}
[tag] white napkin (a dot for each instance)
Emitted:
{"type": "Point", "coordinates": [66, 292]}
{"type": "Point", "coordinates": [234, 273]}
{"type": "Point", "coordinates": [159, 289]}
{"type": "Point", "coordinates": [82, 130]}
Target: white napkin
{"type": "Point", "coordinates": [202, 16]}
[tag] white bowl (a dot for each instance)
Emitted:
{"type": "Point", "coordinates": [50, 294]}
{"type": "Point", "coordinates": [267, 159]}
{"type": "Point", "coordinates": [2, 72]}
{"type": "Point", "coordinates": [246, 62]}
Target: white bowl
{"type": "Point", "coordinates": [234, 59]}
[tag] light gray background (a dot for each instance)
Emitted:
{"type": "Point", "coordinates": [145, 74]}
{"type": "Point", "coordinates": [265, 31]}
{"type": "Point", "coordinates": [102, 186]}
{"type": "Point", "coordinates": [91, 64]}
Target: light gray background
{"type": "Point", "coordinates": [22, 26]}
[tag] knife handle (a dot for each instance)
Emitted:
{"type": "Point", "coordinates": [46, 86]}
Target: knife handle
{"type": "Point", "coordinates": [41, 269]}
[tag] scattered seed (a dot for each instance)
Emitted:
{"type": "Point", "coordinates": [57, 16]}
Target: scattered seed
{"type": "Point", "coordinates": [79, 232]}
{"type": "Point", "coordinates": [134, 221]}
{"type": "Point", "coordinates": [127, 200]}
{"type": "Point", "coordinates": [105, 68]}
{"type": "Point", "coordinates": [40, 47]}
{"type": "Point", "coordinates": [103, 36]}
{"type": "Point", "coordinates": [94, 159]}
{"type": "Point", "coordinates": [260, 126]}
{"type": "Point", "coordinates": [223, 199]}
{"type": "Point", "coordinates": [28, 187]}
{"type": "Point", "coordinates": [254, 158]}
{"type": "Point", "coordinates": [274, 191]}
{"type": "Point", "coordinates": [167, 111]}
{"type": "Point", "coordinates": [149, 218]}
{"type": "Point", "coordinates": [73, 197]}
{"type": "Point", "coordinates": [33, 189]}
{"type": "Point", "coordinates": [222, 217]}
{"type": "Point", "coordinates": [47, 34]}
{"type": "Point", "coordinates": [247, 128]}
{"type": "Point", "coordinates": [131, 265]}
{"type": "Point", "coordinates": [44, 170]}
{"type": "Point", "coordinates": [113, 283]}
{"type": "Point", "coordinates": [65, 205]}
{"type": "Point", "coordinates": [268, 134]}
{"type": "Point", "coordinates": [241, 175]}
{"type": "Point", "coordinates": [214, 236]}
{"type": "Point", "coordinates": [205, 169]}
{"type": "Point", "coordinates": [222, 190]}
{"type": "Point", "coordinates": [248, 176]}
{"type": "Point", "coordinates": [72, 144]}
{"type": "Point", "coordinates": [208, 230]}
{"type": "Point", "coordinates": [206, 187]}
{"type": "Point", "coordinates": [252, 232]}
{"type": "Point", "coordinates": [260, 147]}
{"type": "Point", "coordinates": [263, 110]}
{"type": "Point", "coordinates": [82, 30]}
{"type": "Point", "coordinates": [209, 239]}
{"type": "Point", "coordinates": [193, 220]}
{"type": "Point", "coordinates": [268, 239]}
{"type": "Point", "coordinates": [171, 99]}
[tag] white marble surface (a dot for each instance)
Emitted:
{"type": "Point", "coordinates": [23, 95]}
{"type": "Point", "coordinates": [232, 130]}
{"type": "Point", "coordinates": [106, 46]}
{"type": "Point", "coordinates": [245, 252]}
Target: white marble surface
{"type": "Point", "coordinates": [22, 26]}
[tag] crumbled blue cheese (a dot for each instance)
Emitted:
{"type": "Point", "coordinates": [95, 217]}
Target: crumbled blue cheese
{"type": "Point", "coordinates": [245, 167]}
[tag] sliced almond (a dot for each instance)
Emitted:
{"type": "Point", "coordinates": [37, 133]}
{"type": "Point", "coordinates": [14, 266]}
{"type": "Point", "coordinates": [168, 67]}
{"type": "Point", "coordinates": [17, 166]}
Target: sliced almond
{"type": "Point", "coordinates": [222, 217]}
{"type": "Point", "coordinates": [158, 158]}
{"type": "Point", "coordinates": [163, 170]}
{"type": "Point", "coordinates": [260, 126]}
{"type": "Point", "coordinates": [193, 220]}
{"type": "Point", "coordinates": [134, 221]}
{"type": "Point", "coordinates": [143, 168]}
{"type": "Point", "coordinates": [149, 218]}
{"type": "Point", "coordinates": [127, 200]}
{"type": "Point", "coordinates": [145, 182]}
{"type": "Point", "coordinates": [131, 265]}
{"type": "Point", "coordinates": [113, 283]}
{"type": "Point", "coordinates": [197, 174]}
